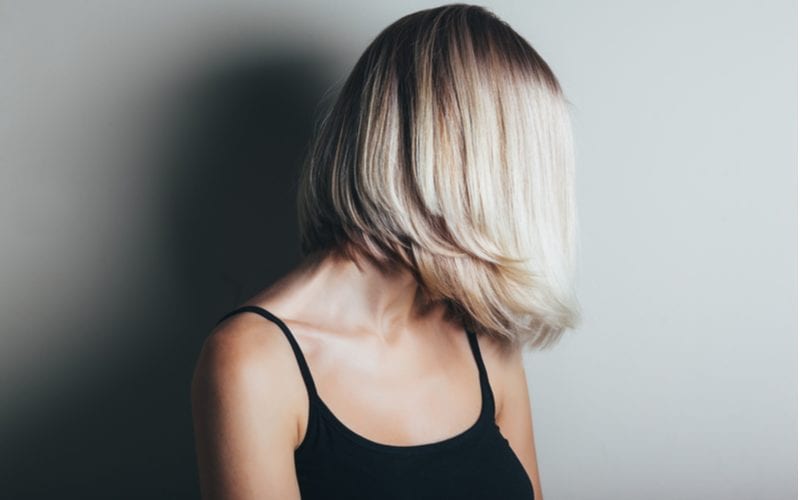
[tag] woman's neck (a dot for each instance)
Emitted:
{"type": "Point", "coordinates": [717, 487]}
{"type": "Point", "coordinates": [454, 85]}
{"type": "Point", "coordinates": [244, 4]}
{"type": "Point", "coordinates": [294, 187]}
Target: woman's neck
{"type": "Point", "coordinates": [361, 295]}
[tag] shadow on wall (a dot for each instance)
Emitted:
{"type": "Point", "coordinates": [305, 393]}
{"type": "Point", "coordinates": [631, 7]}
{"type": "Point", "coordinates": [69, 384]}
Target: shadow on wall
{"type": "Point", "coordinates": [231, 141]}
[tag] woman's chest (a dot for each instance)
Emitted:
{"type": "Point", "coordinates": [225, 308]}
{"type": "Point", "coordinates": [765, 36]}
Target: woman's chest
{"type": "Point", "coordinates": [482, 466]}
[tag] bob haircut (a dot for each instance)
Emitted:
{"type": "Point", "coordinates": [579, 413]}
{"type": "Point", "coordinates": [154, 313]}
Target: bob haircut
{"type": "Point", "coordinates": [449, 152]}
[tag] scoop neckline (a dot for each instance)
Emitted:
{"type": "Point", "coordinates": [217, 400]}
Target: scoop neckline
{"type": "Point", "coordinates": [445, 443]}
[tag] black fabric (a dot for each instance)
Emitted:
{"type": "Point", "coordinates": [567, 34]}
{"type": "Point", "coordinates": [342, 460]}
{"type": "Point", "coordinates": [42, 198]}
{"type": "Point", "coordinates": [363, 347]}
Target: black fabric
{"type": "Point", "coordinates": [334, 462]}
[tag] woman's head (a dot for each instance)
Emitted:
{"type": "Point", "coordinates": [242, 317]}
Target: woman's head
{"type": "Point", "coordinates": [449, 151]}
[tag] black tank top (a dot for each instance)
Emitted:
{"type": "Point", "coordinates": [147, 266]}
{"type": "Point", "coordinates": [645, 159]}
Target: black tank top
{"type": "Point", "coordinates": [333, 462]}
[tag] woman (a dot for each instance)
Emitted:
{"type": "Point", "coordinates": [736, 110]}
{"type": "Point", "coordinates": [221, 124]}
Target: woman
{"type": "Point", "coordinates": [437, 221]}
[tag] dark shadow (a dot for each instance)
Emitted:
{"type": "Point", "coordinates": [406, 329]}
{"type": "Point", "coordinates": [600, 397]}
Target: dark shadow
{"type": "Point", "coordinates": [231, 149]}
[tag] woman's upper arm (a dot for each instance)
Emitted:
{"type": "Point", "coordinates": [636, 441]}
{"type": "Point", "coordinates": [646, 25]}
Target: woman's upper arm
{"type": "Point", "coordinates": [515, 419]}
{"type": "Point", "coordinates": [243, 413]}
{"type": "Point", "coordinates": [506, 372]}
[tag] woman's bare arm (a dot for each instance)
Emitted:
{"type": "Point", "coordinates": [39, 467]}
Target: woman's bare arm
{"type": "Point", "coordinates": [244, 398]}
{"type": "Point", "coordinates": [515, 419]}
{"type": "Point", "coordinates": [506, 372]}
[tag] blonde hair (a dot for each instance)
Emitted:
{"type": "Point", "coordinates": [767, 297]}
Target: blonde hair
{"type": "Point", "coordinates": [449, 151]}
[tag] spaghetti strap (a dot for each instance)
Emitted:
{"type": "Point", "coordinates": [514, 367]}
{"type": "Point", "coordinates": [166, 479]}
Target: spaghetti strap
{"type": "Point", "coordinates": [298, 353]}
{"type": "Point", "coordinates": [486, 388]}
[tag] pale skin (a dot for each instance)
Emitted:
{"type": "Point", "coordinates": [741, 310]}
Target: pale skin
{"type": "Point", "coordinates": [250, 406]}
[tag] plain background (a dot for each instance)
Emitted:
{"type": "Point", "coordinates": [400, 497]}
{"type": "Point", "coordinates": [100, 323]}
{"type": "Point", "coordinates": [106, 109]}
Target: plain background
{"type": "Point", "coordinates": [149, 153]}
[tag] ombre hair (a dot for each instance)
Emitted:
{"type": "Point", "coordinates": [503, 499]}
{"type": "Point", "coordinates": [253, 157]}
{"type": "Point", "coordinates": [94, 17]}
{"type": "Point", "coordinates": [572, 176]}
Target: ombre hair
{"type": "Point", "coordinates": [449, 152]}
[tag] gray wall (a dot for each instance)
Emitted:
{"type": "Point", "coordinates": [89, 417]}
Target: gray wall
{"type": "Point", "coordinates": [147, 160]}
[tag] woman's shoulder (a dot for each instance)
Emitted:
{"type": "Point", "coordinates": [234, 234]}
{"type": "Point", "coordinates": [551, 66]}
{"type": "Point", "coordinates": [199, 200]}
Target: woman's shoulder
{"type": "Point", "coordinates": [245, 342]}
{"type": "Point", "coordinates": [501, 363]}
{"type": "Point", "coordinates": [246, 362]}
{"type": "Point", "coordinates": [245, 407]}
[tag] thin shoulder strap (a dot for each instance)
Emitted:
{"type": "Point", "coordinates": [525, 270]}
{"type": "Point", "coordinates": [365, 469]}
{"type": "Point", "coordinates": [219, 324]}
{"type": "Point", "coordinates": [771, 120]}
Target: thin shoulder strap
{"type": "Point", "coordinates": [298, 353]}
{"type": "Point", "coordinates": [486, 388]}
